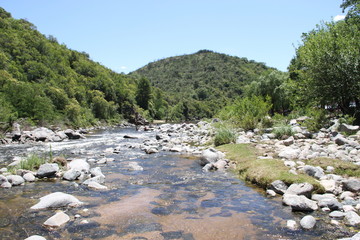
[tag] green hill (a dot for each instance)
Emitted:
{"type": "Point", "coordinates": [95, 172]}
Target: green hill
{"type": "Point", "coordinates": [203, 82]}
{"type": "Point", "coordinates": [46, 82]}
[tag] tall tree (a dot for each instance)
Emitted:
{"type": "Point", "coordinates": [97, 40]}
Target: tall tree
{"type": "Point", "coordinates": [143, 93]}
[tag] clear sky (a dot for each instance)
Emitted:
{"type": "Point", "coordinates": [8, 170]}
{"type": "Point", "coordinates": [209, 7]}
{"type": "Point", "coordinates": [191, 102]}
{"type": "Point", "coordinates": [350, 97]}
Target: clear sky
{"type": "Point", "coordinates": [125, 35]}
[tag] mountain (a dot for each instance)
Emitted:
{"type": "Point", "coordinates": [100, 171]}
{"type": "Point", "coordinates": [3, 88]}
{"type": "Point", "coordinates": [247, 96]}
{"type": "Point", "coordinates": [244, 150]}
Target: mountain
{"type": "Point", "coordinates": [46, 82]}
{"type": "Point", "coordinates": [202, 82]}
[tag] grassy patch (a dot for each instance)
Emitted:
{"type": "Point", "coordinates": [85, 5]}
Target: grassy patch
{"type": "Point", "coordinates": [262, 171]}
{"type": "Point", "coordinates": [342, 168]}
{"type": "Point", "coordinates": [224, 136]}
{"type": "Point", "coordinates": [283, 130]}
{"type": "Point", "coordinates": [31, 163]}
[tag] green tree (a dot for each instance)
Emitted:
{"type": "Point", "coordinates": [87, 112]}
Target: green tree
{"type": "Point", "coordinates": [353, 7]}
{"type": "Point", "coordinates": [327, 65]}
{"type": "Point", "coordinates": [143, 93]}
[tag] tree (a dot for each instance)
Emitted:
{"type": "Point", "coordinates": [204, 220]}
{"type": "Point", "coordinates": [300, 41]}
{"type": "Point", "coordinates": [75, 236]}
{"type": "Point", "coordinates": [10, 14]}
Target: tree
{"type": "Point", "coordinates": [143, 93]}
{"type": "Point", "coordinates": [327, 66]}
{"type": "Point", "coordinates": [354, 9]}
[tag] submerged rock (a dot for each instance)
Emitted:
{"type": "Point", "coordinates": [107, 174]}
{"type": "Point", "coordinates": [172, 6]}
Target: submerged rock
{"type": "Point", "coordinates": [57, 220]}
{"type": "Point", "coordinates": [57, 200]}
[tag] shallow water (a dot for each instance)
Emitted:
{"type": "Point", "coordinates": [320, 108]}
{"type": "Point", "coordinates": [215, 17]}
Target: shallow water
{"type": "Point", "coordinates": [171, 199]}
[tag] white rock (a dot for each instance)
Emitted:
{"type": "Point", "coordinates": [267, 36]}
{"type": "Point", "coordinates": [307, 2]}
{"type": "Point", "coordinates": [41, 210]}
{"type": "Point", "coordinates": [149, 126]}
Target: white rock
{"type": "Point", "coordinates": [56, 200]}
{"type": "Point", "coordinates": [96, 186]}
{"type": "Point", "coordinates": [270, 193]}
{"type": "Point", "coordinates": [135, 166]}
{"type": "Point", "coordinates": [308, 222]}
{"type": "Point", "coordinates": [289, 163]}
{"type": "Point", "coordinates": [352, 218]}
{"type": "Point", "coordinates": [329, 185]}
{"type": "Point", "coordinates": [29, 177]}
{"type": "Point", "coordinates": [57, 220]}
{"type": "Point", "coordinates": [80, 165]}
{"type": "Point", "coordinates": [35, 237]}
{"type": "Point", "coordinates": [15, 180]}
{"type": "Point", "coordinates": [291, 224]}
{"type": "Point", "coordinates": [289, 153]}
{"type": "Point", "coordinates": [348, 208]}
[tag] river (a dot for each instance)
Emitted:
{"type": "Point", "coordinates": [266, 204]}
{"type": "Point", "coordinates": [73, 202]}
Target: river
{"type": "Point", "coordinates": [172, 198]}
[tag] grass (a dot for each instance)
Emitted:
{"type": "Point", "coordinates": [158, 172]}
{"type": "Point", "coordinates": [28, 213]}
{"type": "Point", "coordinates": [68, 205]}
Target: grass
{"type": "Point", "coordinates": [224, 136]}
{"type": "Point", "coordinates": [342, 168]}
{"type": "Point", "coordinates": [262, 172]}
{"type": "Point", "coordinates": [283, 130]}
{"type": "Point", "coordinates": [32, 163]}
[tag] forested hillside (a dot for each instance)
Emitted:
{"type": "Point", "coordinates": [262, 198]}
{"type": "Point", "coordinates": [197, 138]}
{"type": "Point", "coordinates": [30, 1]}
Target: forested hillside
{"type": "Point", "coordinates": [45, 82]}
{"type": "Point", "coordinates": [201, 83]}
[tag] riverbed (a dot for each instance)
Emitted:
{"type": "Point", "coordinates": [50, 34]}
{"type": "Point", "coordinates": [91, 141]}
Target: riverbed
{"type": "Point", "coordinates": [171, 198]}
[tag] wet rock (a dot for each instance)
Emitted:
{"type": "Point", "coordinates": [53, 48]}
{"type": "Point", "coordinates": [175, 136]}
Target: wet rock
{"type": "Point", "coordinates": [278, 186]}
{"type": "Point", "coordinates": [151, 150]}
{"type": "Point", "coordinates": [210, 156]}
{"type": "Point", "coordinates": [73, 134]}
{"type": "Point", "coordinates": [57, 200]}
{"type": "Point", "coordinates": [15, 180]}
{"type": "Point", "coordinates": [130, 137]}
{"type": "Point", "coordinates": [299, 203]}
{"type": "Point", "coordinates": [3, 179]}
{"type": "Point", "coordinates": [96, 186]}
{"type": "Point", "coordinates": [35, 237]}
{"type": "Point", "coordinates": [29, 177]}
{"type": "Point", "coordinates": [57, 220]}
{"type": "Point", "coordinates": [291, 224]}
{"type": "Point", "coordinates": [98, 179]}
{"type": "Point", "coordinates": [71, 175]}
{"type": "Point", "coordinates": [135, 166]}
{"type": "Point", "coordinates": [352, 218]}
{"type": "Point", "coordinates": [176, 149]}
{"type": "Point", "coordinates": [331, 203]}
{"type": "Point", "coordinates": [208, 167]}
{"type": "Point", "coordinates": [316, 172]}
{"type": "Point", "coordinates": [308, 222]}
{"type": "Point", "coordinates": [43, 134]}
{"type": "Point", "coordinates": [96, 172]}
{"type": "Point", "coordinates": [220, 165]}
{"type": "Point", "coordinates": [6, 185]}
{"type": "Point", "coordinates": [300, 189]}
{"type": "Point", "coordinates": [80, 165]}
{"type": "Point", "coordinates": [337, 215]}
{"type": "Point", "coordinates": [352, 185]}
{"type": "Point", "coordinates": [270, 193]}
{"type": "Point", "coordinates": [47, 170]}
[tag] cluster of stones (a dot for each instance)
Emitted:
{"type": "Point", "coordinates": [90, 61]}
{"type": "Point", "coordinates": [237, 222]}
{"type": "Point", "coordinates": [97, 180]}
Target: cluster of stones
{"type": "Point", "coordinates": [41, 134]}
{"type": "Point", "coordinates": [77, 169]}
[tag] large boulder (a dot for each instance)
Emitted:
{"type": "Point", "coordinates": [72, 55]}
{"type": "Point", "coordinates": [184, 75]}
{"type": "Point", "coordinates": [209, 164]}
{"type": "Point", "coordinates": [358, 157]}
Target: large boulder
{"type": "Point", "coordinates": [73, 134]}
{"type": "Point", "coordinates": [289, 153]}
{"type": "Point", "coordinates": [47, 170]}
{"type": "Point", "coordinates": [79, 165]}
{"type": "Point", "coordinates": [299, 203]}
{"type": "Point", "coordinates": [352, 185]}
{"type": "Point", "coordinates": [278, 186]}
{"type": "Point", "coordinates": [210, 155]}
{"type": "Point", "coordinates": [57, 200]}
{"type": "Point", "coordinates": [71, 175]}
{"type": "Point", "coordinates": [15, 180]}
{"type": "Point", "coordinates": [316, 172]}
{"type": "Point", "coordinates": [348, 129]}
{"type": "Point", "coordinates": [43, 134]}
{"type": "Point", "coordinates": [57, 220]}
{"type": "Point", "coordinates": [308, 222]}
{"type": "Point", "coordinates": [300, 189]}
{"type": "Point", "coordinates": [330, 203]}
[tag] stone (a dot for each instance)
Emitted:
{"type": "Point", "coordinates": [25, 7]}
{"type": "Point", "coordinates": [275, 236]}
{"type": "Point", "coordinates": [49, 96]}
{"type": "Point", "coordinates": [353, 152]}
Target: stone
{"type": "Point", "coordinates": [337, 215]}
{"type": "Point", "coordinates": [300, 189]}
{"type": "Point", "coordinates": [210, 156]}
{"type": "Point", "coordinates": [289, 141]}
{"type": "Point", "coordinates": [278, 186]}
{"type": "Point", "coordinates": [80, 165]}
{"type": "Point", "coordinates": [43, 134]}
{"type": "Point", "coordinates": [3, 179]}
{"type": "Point", "coordinates": [130, 137]}
{"type": "Point", "coordinates": [176, 149]}
{"type": "Point", "coordinates": [73, 134]}
{"type": "Point", "coordinates": [47, 170]}
{"type": "Point", "coordinates": [289, 153]}
{"type": "Point", "coordinates": [270, 193]}
{"type": "Point", "coordinates": [6, 185]}
{"type": "Point", "coordinates": [316, 172]}
{"type": "Point", "coordinates": [331, 203]}
{"type": "Point", "coordinates": [299, 203]}
{"type": "Point", "coordinates": [96, 185]}
{"type": "Point", "coordinates": [3, 170]}
{"type": "Point", "coordinates": [151, 150]}
{"type": "Point", "coordinates": [71, 175]}
{"type": "Point", "coordinates": [308, 222]}
{"type": "Point", "coordinates": [346, 194]}
{"type": "Point", "coordinates": [220, 165]}
{"type": "Point", "coordinates": [96, 172]}
{"type": "Point", "coordinates": [15, 180]}
{"type": "Point", "coordinates": [348, 208]}
{"type": "Point", "coordinates": [289, 163]}
{"type": "Point", "coordinates": [291, 224]}
{"type": "Point", "coordinates": [352, 218]}
{"type": "Point", "coordinates": [57, 220]}
{"type": "Point", "coordinates": [135, 166]}
{"type": "Point", "coordinates": [98, 179]}
{"type": "Point", "coordinates": [29, 177]}
{"type": "Point", "coordinates": [341, 140]}
{"type": "Point", "coordinates": [330, 169]}
{"type": "Point", "coordinates": [348, 129]}
{"type": "Point", "coordinates": [352, 185]}
{"type": "Point", "coordinates": [56, 200]}
{"type": "Point", "coordinates": [318, 197]}
{"type": "Point", "coordinates": [329, 185]}
{"type": "Point", "coordinates": [35, 237]}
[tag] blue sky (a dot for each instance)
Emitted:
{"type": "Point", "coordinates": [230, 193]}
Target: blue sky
{"type": "Point", "coordinates": [125, 35]}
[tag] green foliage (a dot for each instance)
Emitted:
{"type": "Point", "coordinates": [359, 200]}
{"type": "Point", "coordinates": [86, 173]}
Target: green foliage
{"type": "Point", "coordinates": [224, 135]}
{"type": "Point", "coordinates": [143, 93]}
{"type": "Point", "coordinates": [47, 82]}
{"type": "Point", "coordinates": [317, 119]}
{"type": "Point", "coordinates": [31, 163]}
{"type": "Point", "coordinates": [247, 112]}
{"type": "Point", "coordinates": [281, 131]}
{"type": "Point", "coordinates": [204, 82]}
{"type": "Point", "coordinates": [326, 67]}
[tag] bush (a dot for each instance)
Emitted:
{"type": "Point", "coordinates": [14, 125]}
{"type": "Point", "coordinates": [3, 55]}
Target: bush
{"type": "Point", "coordinates": [224, 136]}
{"type": "Point", "coordinates": [282, 131]}
{"type": "Point", "coordinates": [317, 119]}
{"type": "Point", "coordinates": [247, 112]}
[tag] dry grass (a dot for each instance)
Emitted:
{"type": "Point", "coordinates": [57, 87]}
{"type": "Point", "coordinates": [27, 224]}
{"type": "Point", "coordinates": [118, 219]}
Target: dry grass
{"type": "Point", "coordinates": [342, 168]}
{"type": "Point", "coordinates": [262, 171]}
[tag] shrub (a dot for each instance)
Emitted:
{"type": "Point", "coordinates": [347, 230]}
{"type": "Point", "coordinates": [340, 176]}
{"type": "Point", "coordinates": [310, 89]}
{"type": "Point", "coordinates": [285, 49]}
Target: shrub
{"type": "Point", "coordinates": [282, 131]}
{"type": "Point", "coordinates": [224, 136]}
{"type": "Point", "coordinates": [317, 119]}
